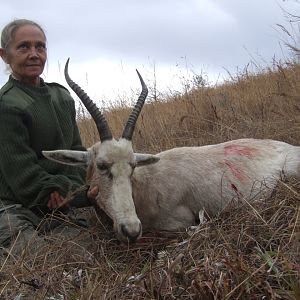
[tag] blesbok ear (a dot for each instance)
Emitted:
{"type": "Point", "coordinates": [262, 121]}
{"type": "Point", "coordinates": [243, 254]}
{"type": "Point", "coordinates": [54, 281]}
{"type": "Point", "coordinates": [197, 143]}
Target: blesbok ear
{"type": "Point", "coordinates": [68, 157]}
{"type": "Point", "coordinates": [145, 159]}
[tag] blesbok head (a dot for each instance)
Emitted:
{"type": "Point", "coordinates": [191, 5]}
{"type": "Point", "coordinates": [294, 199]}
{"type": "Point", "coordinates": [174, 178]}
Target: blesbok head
{"type": "Point", "coordinates": [110, 164]}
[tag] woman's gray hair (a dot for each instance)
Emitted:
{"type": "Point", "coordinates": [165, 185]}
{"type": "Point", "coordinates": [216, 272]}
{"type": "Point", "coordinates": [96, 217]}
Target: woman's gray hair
{"type": "Point", "coordinates": [10, 29]}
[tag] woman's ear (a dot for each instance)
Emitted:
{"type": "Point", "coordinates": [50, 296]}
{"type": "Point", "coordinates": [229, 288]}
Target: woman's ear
{"type": "Point", "coordinates": [3, 55]}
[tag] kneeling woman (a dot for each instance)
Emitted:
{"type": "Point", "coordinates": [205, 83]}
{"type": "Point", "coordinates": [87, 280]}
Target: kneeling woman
{"type": "Point", "coordinates": [34, 116]}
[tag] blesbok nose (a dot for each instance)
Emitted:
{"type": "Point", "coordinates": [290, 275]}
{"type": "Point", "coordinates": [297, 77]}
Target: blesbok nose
{"type": "Point", "coordinates": [130, 233]}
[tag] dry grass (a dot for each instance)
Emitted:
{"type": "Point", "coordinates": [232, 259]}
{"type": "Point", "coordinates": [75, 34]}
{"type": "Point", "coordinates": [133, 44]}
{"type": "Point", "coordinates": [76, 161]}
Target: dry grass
{"type": "Point", "coordinates": [262, 106]}
{"type": "Point", "coordinates": [247, 252]}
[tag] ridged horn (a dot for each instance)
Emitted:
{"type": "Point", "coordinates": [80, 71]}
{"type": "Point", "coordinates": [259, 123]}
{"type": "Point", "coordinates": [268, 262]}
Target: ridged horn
{"type": "Point", "coordinates": [102, 126]}
{"type": "Point", "coordinates": [129, 128]}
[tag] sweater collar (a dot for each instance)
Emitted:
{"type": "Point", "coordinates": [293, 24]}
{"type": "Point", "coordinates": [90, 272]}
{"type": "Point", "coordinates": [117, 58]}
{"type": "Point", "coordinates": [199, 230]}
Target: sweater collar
{"type": "Point", "coordinates": [39, 90]}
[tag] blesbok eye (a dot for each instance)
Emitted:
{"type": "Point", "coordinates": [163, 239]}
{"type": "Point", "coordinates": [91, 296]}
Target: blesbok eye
{"type": "Point", "coordinates": [104, 169]}
{"type": "Point", "coordinates": [132, 165]}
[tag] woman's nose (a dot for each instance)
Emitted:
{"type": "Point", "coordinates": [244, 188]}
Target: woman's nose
{"type": "Point", "coordinates": [33, 52]}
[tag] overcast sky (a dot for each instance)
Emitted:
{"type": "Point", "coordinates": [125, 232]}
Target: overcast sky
{"type": "Point", "coordinates": [108, 39]}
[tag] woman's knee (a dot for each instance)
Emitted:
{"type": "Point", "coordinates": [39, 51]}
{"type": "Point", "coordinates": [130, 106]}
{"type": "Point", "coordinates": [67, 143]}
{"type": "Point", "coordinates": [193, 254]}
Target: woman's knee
{"type": "Point", "coordinates": [16, 221]}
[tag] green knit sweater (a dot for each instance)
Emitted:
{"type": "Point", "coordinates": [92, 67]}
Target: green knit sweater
{"type": "Point", "coordinates": [33, 119]}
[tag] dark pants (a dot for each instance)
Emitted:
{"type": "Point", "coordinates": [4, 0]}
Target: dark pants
{"type": "Point", "coordinates": [20, 227]}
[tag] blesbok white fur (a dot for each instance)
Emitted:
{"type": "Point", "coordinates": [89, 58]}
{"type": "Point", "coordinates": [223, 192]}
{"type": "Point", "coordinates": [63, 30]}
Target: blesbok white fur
{"type": "Point", "coordinates": [166, 191]}
{"type": "Point", "coordinates": [169, 192]}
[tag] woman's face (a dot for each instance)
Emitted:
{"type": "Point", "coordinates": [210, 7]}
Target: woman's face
{"type": "Point", "coordinates": [26, 54]}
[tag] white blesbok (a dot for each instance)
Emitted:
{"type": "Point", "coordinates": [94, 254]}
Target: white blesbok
{"type": "Point", "coordinates": [167, 191]}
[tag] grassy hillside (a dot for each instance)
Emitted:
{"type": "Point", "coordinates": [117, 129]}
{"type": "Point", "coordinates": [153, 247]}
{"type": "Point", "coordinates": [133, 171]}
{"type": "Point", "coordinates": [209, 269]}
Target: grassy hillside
{"type": "Point", "coordinates": [265, 105]}
{"type": "Point", "coordinates": [248, 252]}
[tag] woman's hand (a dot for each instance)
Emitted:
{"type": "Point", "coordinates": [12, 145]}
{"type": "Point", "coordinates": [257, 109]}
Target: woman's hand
{"type": "Point", "coordinates": [92, 193]}
{"type": "Point", "coordinates": [56, 200]}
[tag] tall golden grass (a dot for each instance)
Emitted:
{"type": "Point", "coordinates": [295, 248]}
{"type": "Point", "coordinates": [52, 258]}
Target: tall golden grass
{"type": "Point", "coordinates": [264, 105]}
{"type": "Point", "coordinates": [247, 252]}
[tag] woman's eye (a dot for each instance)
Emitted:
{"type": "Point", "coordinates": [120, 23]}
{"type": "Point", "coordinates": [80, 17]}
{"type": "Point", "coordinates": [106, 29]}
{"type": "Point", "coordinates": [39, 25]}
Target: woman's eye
{"type": "Point", "coordinates": [41, 47]}
{"type": "Point", "coordinates": [22, 46]}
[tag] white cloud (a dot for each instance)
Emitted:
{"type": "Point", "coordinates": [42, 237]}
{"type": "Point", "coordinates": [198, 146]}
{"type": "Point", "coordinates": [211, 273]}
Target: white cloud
{"type": "Point", "coordinates": [108, 39]}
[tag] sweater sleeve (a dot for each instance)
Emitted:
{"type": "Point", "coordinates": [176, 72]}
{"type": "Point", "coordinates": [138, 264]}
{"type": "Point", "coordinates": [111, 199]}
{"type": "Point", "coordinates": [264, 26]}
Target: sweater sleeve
{"type": "Point", "coordinates": [80, 197]}
{"type": "Point", "coordinates": [28, 181]}
{"type": "Point", "coordinates": [77, 143]}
